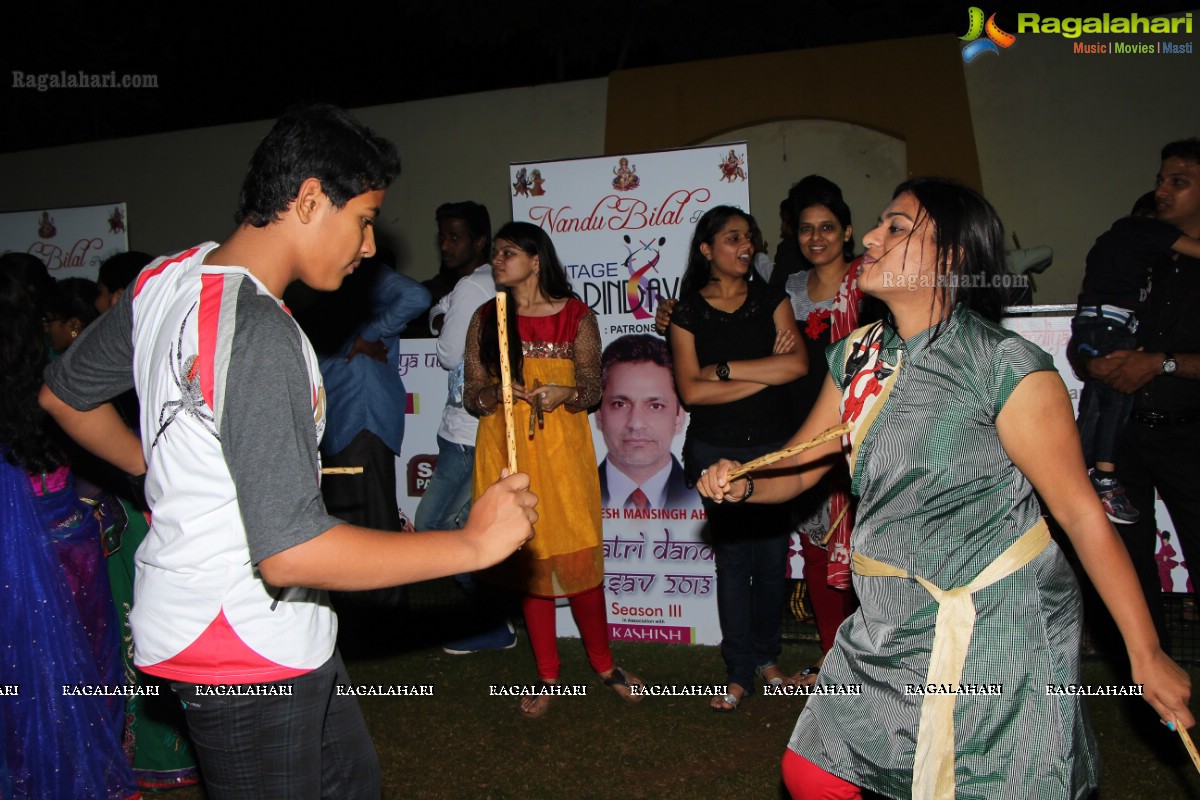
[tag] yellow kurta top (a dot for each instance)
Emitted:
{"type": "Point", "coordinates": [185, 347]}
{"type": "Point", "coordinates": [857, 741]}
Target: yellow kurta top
{"type": "Point", "coordinates": [565, 556]}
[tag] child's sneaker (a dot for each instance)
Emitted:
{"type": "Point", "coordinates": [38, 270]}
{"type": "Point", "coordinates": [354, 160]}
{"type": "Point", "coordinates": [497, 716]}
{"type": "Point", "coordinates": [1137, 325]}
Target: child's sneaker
{"type": "Point", "coordinates": [502, 637]}
{"type": "Point", "coordinates": [1112, 497]}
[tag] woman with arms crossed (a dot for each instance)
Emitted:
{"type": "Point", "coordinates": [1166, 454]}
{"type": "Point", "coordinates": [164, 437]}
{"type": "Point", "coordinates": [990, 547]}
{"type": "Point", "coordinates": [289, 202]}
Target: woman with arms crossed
{"type": "Point", "coordinates": [826, 303]}
{"type": "Point", "coordinates": [957, 423]}
{"type": "Point", "coordinates": [734, 347]}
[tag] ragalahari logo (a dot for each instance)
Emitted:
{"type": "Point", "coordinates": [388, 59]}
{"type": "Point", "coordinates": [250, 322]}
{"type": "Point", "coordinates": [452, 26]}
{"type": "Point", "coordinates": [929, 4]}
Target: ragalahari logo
{"type": "Point", "coordinates": [996, 39]}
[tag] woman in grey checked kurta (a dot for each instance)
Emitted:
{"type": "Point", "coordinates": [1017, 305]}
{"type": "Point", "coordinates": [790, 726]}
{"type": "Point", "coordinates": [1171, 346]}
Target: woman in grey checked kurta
{"type": "Point", "coordinates": [939, 496]}
{"type": "Point", "coordinates": [975, 419]}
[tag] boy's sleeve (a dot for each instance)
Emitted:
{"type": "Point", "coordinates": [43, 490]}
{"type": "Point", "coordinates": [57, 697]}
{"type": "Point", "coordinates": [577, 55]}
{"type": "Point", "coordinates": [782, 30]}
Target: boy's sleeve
{"type": "Point", "coordinates": [268, 430]}
{"type": "Point", "coordinates": [98, 365]}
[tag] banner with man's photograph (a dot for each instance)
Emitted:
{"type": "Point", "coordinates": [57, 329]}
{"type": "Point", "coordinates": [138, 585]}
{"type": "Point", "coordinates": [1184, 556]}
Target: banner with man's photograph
{"type": "Point", "coordinates": [622, 225]}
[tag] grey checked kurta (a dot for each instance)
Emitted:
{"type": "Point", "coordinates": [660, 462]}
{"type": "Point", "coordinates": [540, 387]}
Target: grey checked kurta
{"type": "Point", "coordinates": [939, 497]}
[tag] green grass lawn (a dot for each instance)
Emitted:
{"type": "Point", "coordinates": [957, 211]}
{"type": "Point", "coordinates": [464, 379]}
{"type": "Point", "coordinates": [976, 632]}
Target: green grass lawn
{"type": "Point", "coordinates": [464, 743]}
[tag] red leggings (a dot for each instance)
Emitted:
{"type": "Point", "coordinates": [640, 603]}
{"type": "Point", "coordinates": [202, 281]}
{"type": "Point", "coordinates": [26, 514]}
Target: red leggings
{"type": "Point", "coordinates": [806, 781]}
{"type": "Point", "coordinates": [590, 616]}
{"type": "Point", "coordinates": [830, 605]}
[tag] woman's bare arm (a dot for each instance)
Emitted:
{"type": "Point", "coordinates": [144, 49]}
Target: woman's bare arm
{"type": "Point", "coordinates": [1037, 429]}
{"type": "Point", "coordinates": [788, 478]}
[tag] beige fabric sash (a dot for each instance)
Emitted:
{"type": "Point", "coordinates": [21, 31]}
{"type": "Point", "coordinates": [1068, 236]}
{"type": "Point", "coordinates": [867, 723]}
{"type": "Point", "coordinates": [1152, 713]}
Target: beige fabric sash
{"type": "Point", "coordinates": [933, 768]}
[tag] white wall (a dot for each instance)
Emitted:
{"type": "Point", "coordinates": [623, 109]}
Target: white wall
{"type": "Point", "coordinates": [459, 148]}
{"type": "Point", "coordinates": [182, 187]}
{"type": "Point", "coordinates": [866, 164]}
{"type": "Point", "coordinates": [1066, 143]}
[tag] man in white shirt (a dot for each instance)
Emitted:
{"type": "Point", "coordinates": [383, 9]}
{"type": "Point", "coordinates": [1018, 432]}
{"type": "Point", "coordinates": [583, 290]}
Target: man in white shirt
{"type": "Point", "coordinates": [464, 237]}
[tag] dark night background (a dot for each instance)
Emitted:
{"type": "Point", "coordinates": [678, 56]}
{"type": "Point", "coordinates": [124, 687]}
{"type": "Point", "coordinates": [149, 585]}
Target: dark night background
{"type": "Point", "coordinates": [214, 69]}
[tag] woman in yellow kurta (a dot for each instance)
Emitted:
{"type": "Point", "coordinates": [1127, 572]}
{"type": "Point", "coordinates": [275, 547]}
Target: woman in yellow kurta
{"type": "Point", "coordinates": [554, 350]}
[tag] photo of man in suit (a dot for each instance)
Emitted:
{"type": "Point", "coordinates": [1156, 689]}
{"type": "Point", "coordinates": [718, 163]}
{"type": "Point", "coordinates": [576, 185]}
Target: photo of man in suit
{"type": "Point", "coordinates": [639, 415]}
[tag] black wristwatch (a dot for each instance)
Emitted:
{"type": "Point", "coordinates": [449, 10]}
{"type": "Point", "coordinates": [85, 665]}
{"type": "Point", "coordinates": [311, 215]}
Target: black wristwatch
{"type": "Point", "coordinates": [1169, 365]}
{"type": "Point", "coordinates": [723, 371]}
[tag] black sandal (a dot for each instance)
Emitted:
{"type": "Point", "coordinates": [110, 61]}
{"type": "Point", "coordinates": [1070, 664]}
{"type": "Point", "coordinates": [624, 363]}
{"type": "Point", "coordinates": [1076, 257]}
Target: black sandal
{"type": "Point", "coordinates": [801, 677]}
{"type": "Point", "coordinates": [618, 678]}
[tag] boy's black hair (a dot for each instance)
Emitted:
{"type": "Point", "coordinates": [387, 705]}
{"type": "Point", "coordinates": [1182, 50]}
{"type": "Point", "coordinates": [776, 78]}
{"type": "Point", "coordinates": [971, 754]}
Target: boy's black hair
{"type": "Point", "coordinates": [314, 141]}
{"type": "Point", "coordinates": [118, 271]}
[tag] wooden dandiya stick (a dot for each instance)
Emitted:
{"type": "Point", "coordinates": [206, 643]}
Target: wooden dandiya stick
{"type": "Point", "coordinates": [510, 434]}
{"type": "Point", "coordinates": [779, 455]}
{"type": "Point", "coordinates": [1188, 744]}
{"type": "Point", "coordinates": [341, 470]}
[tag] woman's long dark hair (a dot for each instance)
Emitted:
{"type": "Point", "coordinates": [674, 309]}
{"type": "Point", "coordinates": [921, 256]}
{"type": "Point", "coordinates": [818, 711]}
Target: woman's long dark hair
{"type": "Point", "coordinates": [698, 272]}
{"type": "Point", "coordinates": [72, 298]}
{"type": "Point", "coordinates": [24, 427]}
{"type": "Point", "coordinates": [552, 282]}
{"type": "Point", "coordinates": [968, 246]}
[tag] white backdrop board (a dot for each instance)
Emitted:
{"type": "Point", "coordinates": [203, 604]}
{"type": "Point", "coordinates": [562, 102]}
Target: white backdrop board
{"type": "Point", "coordinates": [72, 242]}
{"type": "Point", "coordinates": [659, 565]}
{"type": "Point", "coordinates": [1052, 334]}
{"type": "Point", "coordinates": [622, 225]}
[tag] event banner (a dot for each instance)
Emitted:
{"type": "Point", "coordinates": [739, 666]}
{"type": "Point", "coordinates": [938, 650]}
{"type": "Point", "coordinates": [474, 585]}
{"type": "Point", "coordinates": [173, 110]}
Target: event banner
{"type": "Point", "coordinates": [655, 560]}
{"type": "Point", "coordinates": [72, 242]}
{"type": "Point", "coordinates": [622, 225]}
{"type": "Point", "coordinates": [654, 564]}
{"type": "Point", "coordinates": [1052, 334]}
